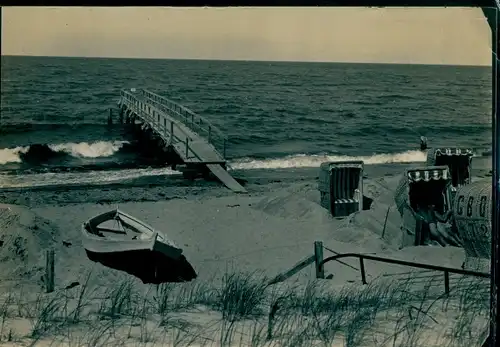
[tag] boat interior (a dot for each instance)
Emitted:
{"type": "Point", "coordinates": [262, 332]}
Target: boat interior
{"type": "Point", "coordinates": [118, 227]}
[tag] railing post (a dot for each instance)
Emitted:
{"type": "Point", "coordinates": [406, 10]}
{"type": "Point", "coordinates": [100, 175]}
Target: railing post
{"type": "Point", "coordinates": [447, 283]}
{"type": "Point", "coordinates": [209, 132]}
{"type": "Point", "coordinates": [224, 149]}
{"type": "Point", "coordinates": [318, 259]}
{"type": "Point", "coordinates": [187, 147]}
{"type": "Point", "coordinates": [171, 132]}
{"type": "Point", "coordinates": [192, 120]}
{"type": "Point", "coordinates": [362, 269]}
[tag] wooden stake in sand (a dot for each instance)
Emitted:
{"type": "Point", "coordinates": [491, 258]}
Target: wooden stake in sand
{"type": "Point", "coordinates": [49, 271]}
{"type": "Point", "coordinates": [318, 256]}
{"type": "Point", "coordinates": [385, 222]}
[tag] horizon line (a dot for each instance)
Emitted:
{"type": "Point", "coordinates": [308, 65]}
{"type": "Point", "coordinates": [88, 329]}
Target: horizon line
{"type": "Point", "coordinates": [240, 60]}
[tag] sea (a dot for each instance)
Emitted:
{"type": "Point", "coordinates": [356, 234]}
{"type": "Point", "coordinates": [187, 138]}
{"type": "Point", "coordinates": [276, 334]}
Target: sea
{"type": "Point", "coordinates": [277, 115]}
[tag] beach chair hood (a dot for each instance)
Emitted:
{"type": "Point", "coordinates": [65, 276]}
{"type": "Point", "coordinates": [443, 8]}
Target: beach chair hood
{"type": "Point", "coordinates": [458, 160]}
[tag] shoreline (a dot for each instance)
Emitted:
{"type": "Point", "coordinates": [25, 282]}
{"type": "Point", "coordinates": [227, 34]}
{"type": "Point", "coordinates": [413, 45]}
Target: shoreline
{"type": "Point", "coordinates": [167, 187]}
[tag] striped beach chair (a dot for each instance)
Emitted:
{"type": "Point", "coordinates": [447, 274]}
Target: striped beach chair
{"type": "Point", "coordinates": [341, 187]}
{"type": "Point", "coordinates": [459, 162]}
{"type": "Point", "coordinates": [419, 188]}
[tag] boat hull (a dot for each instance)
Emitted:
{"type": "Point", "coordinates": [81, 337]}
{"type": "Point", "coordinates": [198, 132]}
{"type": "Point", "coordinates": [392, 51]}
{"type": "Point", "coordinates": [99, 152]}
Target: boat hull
{"type": "Point", "coordinates": [151, 267]}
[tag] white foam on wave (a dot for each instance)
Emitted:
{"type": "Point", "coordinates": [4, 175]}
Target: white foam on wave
{"type": "Point", "coordinates": [89, 150]}
{"type": "Point", "coordinates": [11, 155]}
{"type": "Point", "coordinates": [81, 150]}
{"type": "Point", "coordinates": [304, 160]}
{"type": "Point", "coordinates": [92, 177]}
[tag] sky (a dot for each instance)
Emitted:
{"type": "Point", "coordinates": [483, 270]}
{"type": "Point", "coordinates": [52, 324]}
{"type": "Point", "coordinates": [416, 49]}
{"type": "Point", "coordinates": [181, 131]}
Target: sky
{"type": "Point", "coordinates": [452, 36]}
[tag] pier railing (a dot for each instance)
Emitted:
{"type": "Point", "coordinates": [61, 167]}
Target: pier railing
{"type": "Point", "coordinates": [193, 121]}
{"type": "Point", "coordinates": [159, 123]}
{"type": "Point", "coordinates": [182, 114]}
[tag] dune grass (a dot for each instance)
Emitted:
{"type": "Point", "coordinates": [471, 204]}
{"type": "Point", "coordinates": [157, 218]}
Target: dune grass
{"type": "Point", "coordinates": [242, 310]}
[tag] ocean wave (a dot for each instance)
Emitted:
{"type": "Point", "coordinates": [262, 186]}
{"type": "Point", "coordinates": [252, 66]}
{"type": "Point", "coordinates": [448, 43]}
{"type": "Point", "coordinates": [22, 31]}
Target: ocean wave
{"type": "Point", "coordinates": [42, 152]}
{"type": "Point", "coordinates": [93, 177]}
{"type": "Point", "coordinates": [305, 160]}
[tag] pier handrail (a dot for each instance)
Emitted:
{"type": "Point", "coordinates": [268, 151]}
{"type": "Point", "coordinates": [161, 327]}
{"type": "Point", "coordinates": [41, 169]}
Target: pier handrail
{"type": "Point", "coordinates": [190, 119]}
{"type": "Point", "coordinates": [185, 116]}
{"type": "Point", "coordinates": [201, 119]}
{"type": "Point", "coordinates": [129, 99]}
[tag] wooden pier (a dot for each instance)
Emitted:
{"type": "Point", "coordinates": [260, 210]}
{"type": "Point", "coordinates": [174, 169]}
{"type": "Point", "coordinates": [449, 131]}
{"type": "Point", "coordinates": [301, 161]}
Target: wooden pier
{"type": "Point", "coordinates": [200, 147]}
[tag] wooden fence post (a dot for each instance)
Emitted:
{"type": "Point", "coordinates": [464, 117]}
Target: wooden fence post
{"type": "Point", "coordinates": [49, 271]}
{"type": "Point", "coordinates": [362, 269]}
{"type": "Point", "coordinates": [318, 257]}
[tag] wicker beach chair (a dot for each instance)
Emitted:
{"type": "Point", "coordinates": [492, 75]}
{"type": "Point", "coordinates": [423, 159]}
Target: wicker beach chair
{"type": "Point", "coordinates": [418, 189]}
{"type": "Point", "coordinates": [459, 162]}
{"type": "Point", "coordinates": [341, 187]}
{"type": "Point", "coordinates": [472, 215]}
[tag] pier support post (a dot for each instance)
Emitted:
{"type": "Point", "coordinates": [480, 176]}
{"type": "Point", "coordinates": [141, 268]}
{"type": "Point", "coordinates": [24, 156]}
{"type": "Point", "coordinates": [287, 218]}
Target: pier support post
{"type": "Point", "coordinates": [110, 117]}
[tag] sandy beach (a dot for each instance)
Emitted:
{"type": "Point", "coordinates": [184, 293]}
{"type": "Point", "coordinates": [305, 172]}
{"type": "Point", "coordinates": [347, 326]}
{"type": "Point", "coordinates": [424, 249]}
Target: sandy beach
{"type": "Point", "coordinates": [263, 233]}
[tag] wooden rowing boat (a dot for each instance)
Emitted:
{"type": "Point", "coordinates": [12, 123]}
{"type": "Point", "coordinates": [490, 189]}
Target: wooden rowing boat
{"type": "Point", "coordinates": [120, 241]}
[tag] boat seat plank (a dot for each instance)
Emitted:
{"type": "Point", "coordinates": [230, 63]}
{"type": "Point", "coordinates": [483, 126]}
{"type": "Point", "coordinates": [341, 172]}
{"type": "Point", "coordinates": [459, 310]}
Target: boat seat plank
{"type": "Point", "coordinates": [115, 231]}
